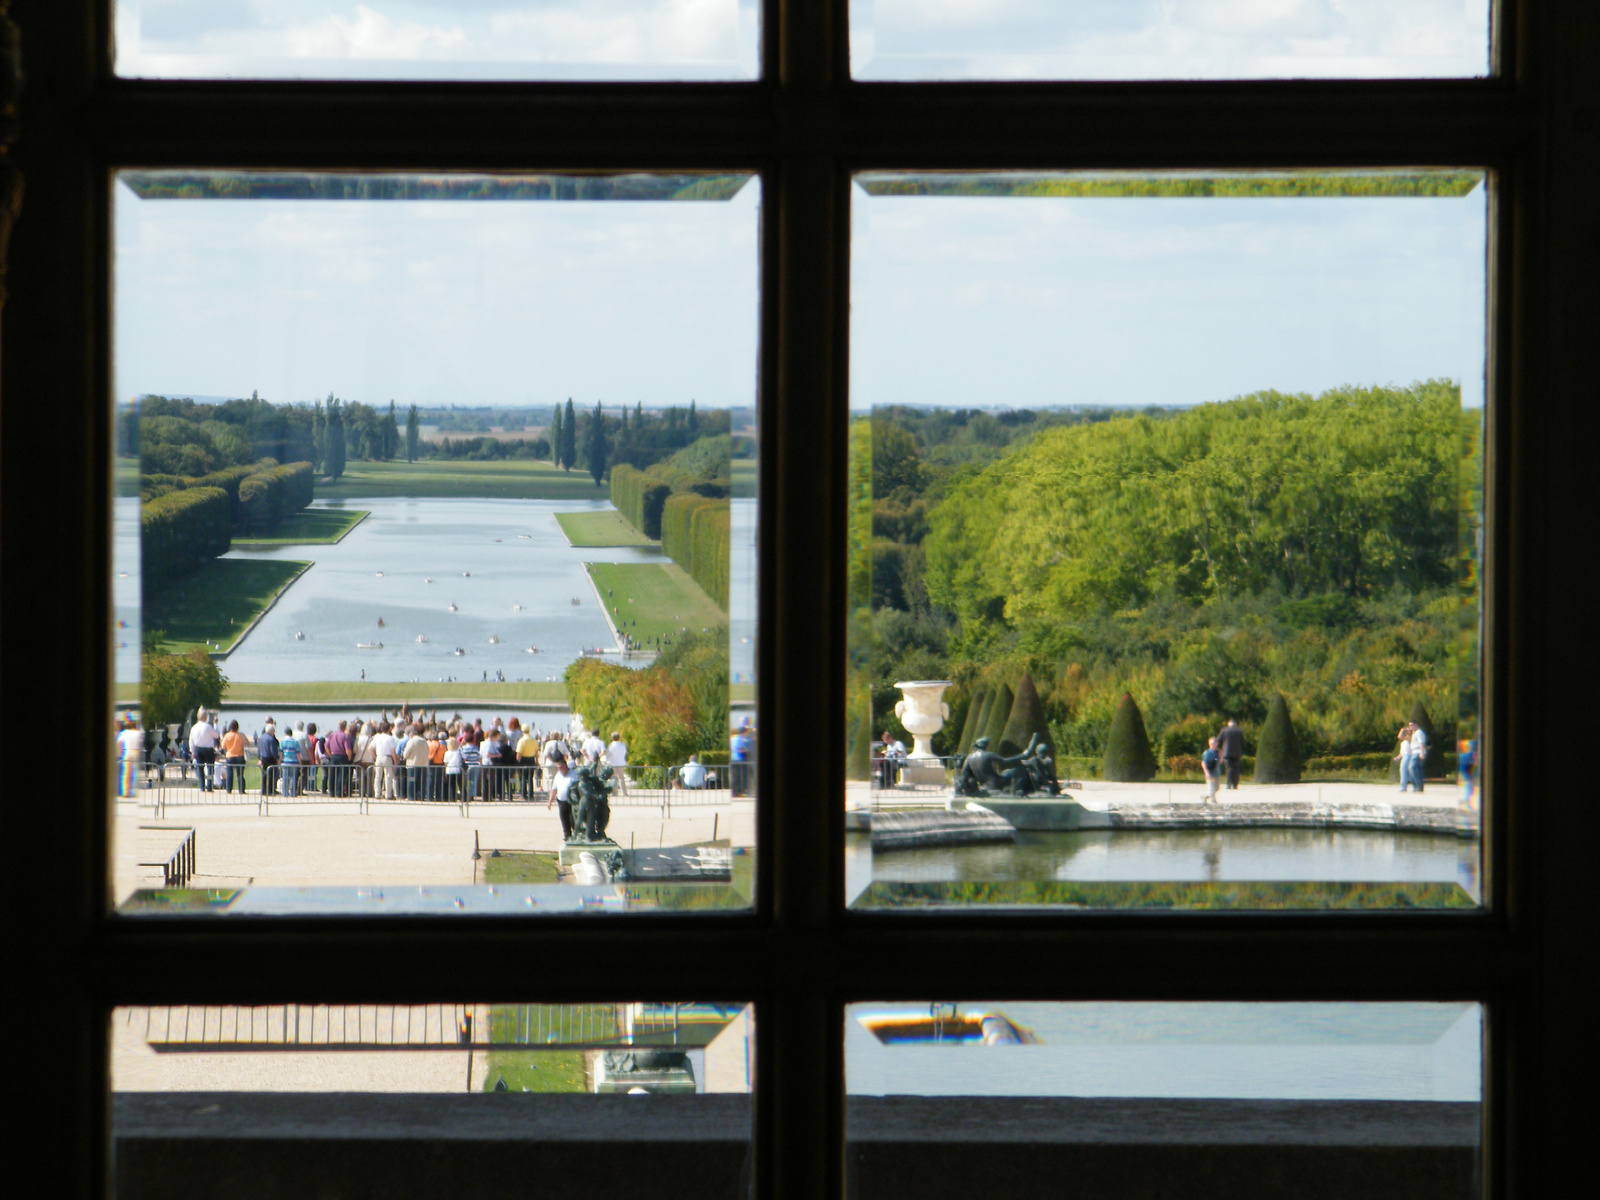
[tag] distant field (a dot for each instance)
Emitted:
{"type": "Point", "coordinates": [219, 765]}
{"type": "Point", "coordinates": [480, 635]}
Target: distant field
{"type": "Point", "coordinates": [213, 607]}
{"type": "Point", "coordinates": [653, 599]}
{"type": "Point", "coordinates": [522, 479]}
{"type": "Point", "coordinates": [310, 526]}
{"type": "Point", "coordinates": [606, 528]}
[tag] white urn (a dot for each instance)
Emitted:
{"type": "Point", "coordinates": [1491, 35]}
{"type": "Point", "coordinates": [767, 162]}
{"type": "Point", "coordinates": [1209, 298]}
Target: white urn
{"type": "Point", "coordinates": [922, 712]}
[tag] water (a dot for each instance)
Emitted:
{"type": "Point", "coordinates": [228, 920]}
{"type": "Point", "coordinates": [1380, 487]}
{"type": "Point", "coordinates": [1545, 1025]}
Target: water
{"type": "Point", "coordinates": [1177, 855]}
{"type": "Point", "coordinates": [485, 556]}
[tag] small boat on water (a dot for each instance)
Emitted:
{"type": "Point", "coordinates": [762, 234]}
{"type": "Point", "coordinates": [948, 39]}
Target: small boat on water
{"type": "Point", "coordinates": [458, 652]}
{"type": "Point", "coordinates": [497, 541]}
{"type": "Point", "coordinates": [422, 637]}
{"type": "Point", "coordinates": [369, 645]}
{"type": "Point", "coordinates": [530, 649]}
{"type": "Point", "coordinates": [466, 574]}
{"type": "Point", "coordinates": [427, 581]}
{"type": "Point", "coordinates": [299, 636]}
{"type": "Point", "coordinates": [380, 622]}
{"type": "Point", "coordinates": [494, 639]}
{"type": "Point", "coordinates": [525, 536]}
{"type": "Point", "coordinates": [576, 601]}
{"type": "Point", "coordinates": [377, 574]}
{"type": "Point", "coordinates": [453, 607]}
{"type": "Point", "coordinates": [516, 608]}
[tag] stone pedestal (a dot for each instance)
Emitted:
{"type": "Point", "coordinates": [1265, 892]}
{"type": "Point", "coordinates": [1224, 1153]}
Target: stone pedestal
{"type": "Point", "coordinates": [570, 851]}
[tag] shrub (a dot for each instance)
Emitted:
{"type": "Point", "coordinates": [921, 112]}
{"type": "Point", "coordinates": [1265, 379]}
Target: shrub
{"type": "Point", "coordinates": [970, 725]}
{"type": "Point", "coordinates": [695, 534]}
{"type": "Point", "coordinates": [1188, 736]}
{"type": "Point", "coordinates": [1026, 720]}
{"type": "Point", "coordinates": [1128, 757]}
{"type": "Point", "coordinates": [1184, 764]}
{"type": "Point", "coordinates": [994, 725]}
{"type": "Point", "coordinates": [1277, 752]}
{"type": "Point", "coordinates": [174, 684]}
{"type": "Point", "coordinates": [178, 532]}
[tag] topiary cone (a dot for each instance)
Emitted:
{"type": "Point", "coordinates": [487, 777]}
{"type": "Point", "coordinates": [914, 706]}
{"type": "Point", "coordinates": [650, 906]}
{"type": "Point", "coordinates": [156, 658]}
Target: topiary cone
{"type": "Point", "coordinates": [994, 722]}
{"type": "Point", "coordinates": [1026, 720]}
{"type": "Point", "coordinates": [1277, 750]}
{"type": "Point", "coordinates": [1128, 756]}
{"type": "Point", "coordinates": [970, 725]}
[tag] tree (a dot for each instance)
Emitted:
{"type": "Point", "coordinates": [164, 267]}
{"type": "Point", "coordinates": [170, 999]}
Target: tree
{"type": "Point", "coordinates": [334, 437]}
{"type": "Point", "coordinates": [555, 437]}
{"type": "Point", "coordinates": [595, 445]}
{"type": "Point", "coordinates": [1026, 720]}
{"type": "Point", "coordinates": [413, 433]}
{"type": "Point", "coordinates": [391, 436]}
{"type": "Point", "coordinates": [175, 683]}
{"type": "Point", "coordinates": [1128, 756]}
{"type": "Point", "coordinates": [319, 436]}
{"type": "Point", "coordinates": [569, 438]}
{"type": "Point", "coordinates": [969, 727]}
{"type": "Point", "coordinates": [694, 421]}
{"type": "Point", "coordinates": [994, 723]}
{"type": "Point", "coordinates": [1277, 750]}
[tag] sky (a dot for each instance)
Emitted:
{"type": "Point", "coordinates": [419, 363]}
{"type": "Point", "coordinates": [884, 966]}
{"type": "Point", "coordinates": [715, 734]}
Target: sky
{"type": "Point", "coordinates": [956, 300]}
{"type": "Point", "coordinates": [720, 39]}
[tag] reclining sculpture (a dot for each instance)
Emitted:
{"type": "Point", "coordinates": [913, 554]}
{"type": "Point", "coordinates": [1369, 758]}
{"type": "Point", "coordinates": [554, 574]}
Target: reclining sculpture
{"type": "Point", "coordinates": [985, 773]}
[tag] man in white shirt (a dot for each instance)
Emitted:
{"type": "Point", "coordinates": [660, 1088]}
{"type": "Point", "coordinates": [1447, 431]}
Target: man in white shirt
{"type": "Point", "coordinates": [593, 747]}
{"type": "Point", "coordinates": [560, 790]}
{"type": "Point", "coordinates": [617, 756]}
{"type": "Point", "coordinates": [130, 742]}
{"type": "Point", "coordinates": [416, 756]}
{"type": "Point", "coordinates": [1419, 756]}
{"type": "Point", "coordinates": [384, 750]}
{"type": "Point", "coordinates": [692, 774]}
{"type": "Point", "coordinates": [203, 745]}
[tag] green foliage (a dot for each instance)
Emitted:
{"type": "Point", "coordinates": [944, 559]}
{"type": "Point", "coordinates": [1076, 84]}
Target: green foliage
{"type": "Point", "coordinates": [1026, 719]}
{"type": "Point", "coordinates": [179, 531]}
{"type": "Point", "coordinates": [173, 684]}
{"type": "Point", "coordinates": [675, 707]}
{"type": "Point", "coordinates": [1128, 758]}
{"type": "Point", "coordinates": [695, 534]}
{"type": "Point", "coordinates": [999, 713]}
{"type": "Point", "coordinates": [639, 498]}
{"type": "Point", "coordinates": [969, 726]}
{"type": "Point", "coordinates": [1277, 752]}
{"type": "Point", "coordinates": [596, 445]}
{"type": "Point", "coordinates": [567, 448]}
{"type": "Point", "coordinates": [413, 434]}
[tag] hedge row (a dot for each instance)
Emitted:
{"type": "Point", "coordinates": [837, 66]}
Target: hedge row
{"type": "Point", "coordinates": [266, 497]}
{"type": "Point", "coordinates": [639, 497]}
{"type": "Point", "coordinates": [695, 534]}
{"type": "Point", "coordinates": [179, 531]}
{"type": "Point", "coordinates": [228, 479]}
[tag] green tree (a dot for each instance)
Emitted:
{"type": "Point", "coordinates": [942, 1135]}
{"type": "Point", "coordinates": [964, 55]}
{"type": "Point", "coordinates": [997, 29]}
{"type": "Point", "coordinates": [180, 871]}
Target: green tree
{"type": "Point", "coordinates": [694, 421]}
{"type": "Point", "coordinates": [413, 433]}
{"type": "Point", "coordinates": [1128, 756]}
{"type": "Point", "coordinates": [1277, 750]}
{"type": "Point", "coordinates": [334, 436]}
{"type": "Point", "coordinates": [390, 432]}
{"type": "Point", "coordinates": [555, 437]}
{"type": "Point", "coordinates": [569, 438]}
{"type": "Point", "coordinates": [596, 445]}
{"type": "Point", "coordinates": [173, 684]}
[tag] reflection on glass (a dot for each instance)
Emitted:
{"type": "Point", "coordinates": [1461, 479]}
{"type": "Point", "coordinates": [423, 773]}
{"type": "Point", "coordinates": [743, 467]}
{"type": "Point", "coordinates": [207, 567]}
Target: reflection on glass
{"type": "Point", "coordinates": [1139, 1099]}
{"type": "Point", "coordinates": [427, 486]}
{"type": "Point", "coordinates": [1166, 538]}
{"type": "Point", "coordinates": [438, 39]}
{"type": "Point", "coordinates": [1168, 39]}
{"type": "Point", "coordinates": [296, 1096]}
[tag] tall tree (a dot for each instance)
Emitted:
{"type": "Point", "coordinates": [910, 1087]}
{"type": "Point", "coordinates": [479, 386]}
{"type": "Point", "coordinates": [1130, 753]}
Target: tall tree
{"type": "Point", "coordinates": [638, 412]}
{"type": "Point", "coordinates": [334, 440]}
{"type": "Point", "coordinates": [413, 433]}
{"type": "Point", "coordinates": [694, 420]}
{"type": "Point", "coordinates": [595, 444]}
{"type": "Point", "coordinates": [319, 436]}
{"type": "Point", "coordinates": [555, 437]}
{"type": "Point", "coordinates": [569, 438]}
{"type": "Point", "coordinates": [391, 434]}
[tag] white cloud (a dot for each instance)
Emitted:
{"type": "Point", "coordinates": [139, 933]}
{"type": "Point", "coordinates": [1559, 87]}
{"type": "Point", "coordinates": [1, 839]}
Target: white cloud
{"type": "Point", "coordinates": [370, 34]}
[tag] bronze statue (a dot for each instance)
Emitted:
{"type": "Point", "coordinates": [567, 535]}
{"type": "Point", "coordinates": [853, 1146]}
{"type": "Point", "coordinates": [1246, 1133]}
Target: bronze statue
{"type": "Point", "coordinates": [985, 773]}
{"type": "Point", "coordinates": [592, 813]}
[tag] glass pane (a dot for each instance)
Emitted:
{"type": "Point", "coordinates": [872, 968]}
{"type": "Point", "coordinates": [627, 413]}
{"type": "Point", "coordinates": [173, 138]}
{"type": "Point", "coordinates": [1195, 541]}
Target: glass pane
{"type": "Point", "coordinates": [438, 39]}
{"type": "Point", "coordinates": [1167, 534]}
{"type": "Point", "coordinates": [1168, 39]}
{"type": "Point", "coordinates": [436, 1099]}
{"type": "Point", "coordinates": [449, 477]}
{"type": "Point", "coordinates": [1139, 1099]}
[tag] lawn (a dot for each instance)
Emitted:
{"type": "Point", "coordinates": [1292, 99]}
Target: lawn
{"type": "Point", "coordinates": [545, 1070]}
{"type": "Point", "coordinates": [309, 526]}
{"type": "Point", "coordinates": [518, 866]}
{"type": "Point", "coordinates": [509, 479]}
{"type": "Point", "coordinates": [214, 606]}
{"type": "Point", "coordinates": [607, 528]}
{"type": "Point", "coordinates": [653, 599]}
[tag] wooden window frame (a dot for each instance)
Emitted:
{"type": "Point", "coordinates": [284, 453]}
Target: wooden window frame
{"type": "Point", "coordinates": [799, 955]}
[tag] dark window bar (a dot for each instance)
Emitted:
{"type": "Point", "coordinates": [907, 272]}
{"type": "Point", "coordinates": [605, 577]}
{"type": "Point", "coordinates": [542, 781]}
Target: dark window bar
{"type": "Point", "coordinates": [799, 956]}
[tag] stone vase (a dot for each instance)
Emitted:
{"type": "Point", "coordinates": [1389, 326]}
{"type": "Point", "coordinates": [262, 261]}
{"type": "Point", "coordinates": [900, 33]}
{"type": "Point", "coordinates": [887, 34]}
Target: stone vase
{"type": "Point", "coordinates": [922, 712]}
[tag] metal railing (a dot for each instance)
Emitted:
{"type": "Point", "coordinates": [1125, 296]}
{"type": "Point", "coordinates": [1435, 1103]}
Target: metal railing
{"type": "Point", "coordinates": [177, 867]}
{"type": "Point", "coordinates": [919, 782]}
{"type": "Point", "coordinates": [368, 784]}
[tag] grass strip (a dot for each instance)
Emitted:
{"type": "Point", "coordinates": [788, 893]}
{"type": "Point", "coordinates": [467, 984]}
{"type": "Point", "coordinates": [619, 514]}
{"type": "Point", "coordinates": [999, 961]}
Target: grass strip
{"type": "Point", "coordinates": [606, 528]}
{"type": "Point", "coordinates": [652, 600]}
{"type": "Point", "coordinates": [308, 527]}
{"type": "Point", "coordinates": [888, 894]}
{"type": "Point", "coordinates": [512, 479]}
{"type": "Point", "coordinates": [213, 607]}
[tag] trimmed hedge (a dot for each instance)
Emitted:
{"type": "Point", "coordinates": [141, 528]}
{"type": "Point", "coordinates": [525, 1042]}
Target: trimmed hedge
{"type": "Point", "coordinates": [1026, 720]}
{"type": "Point", "coordinates": [696, 534]}
{"type": "Point", "coordinates": [1277, 750]}
{"type": "Point", "coordinates": [266, 497]}
{"type": "Point", "coordinates": [1128, 756]}
{"type": "Point", "coordinates": [970, 725]}
{"type": "Point", "coordinates": [994, 721]}
{"type": "Point", "coordinates": [178, 532]}
{"type": "Point", "coordinates": [639, 497]}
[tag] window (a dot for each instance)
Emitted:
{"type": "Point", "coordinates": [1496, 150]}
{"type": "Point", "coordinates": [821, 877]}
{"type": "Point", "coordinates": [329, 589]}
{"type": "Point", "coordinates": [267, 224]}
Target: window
{"type": "Point", "coordinates": [799, 958]}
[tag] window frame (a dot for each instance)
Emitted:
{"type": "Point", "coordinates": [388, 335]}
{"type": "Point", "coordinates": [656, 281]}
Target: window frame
{"type": "Point", "coordinates": [805, 126]}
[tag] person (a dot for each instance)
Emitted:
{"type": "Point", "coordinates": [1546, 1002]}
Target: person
{"type": "Point", "coordinates": [130, 744]}
{"type": "Point", "coordinates": [436, 752]}
{"type": "Point", "coordinates": [158, 752]}
{"type": "Point", "coordinates": [203, 745]}
{"type": "Point", "coordinates": [1211, 767]}
{"type": "Point", "coordinates": [289, 754]}
{"type": "Point", "coordinates": [267, 757]}
{"type": "Point", "coordinates": [233, 756]}
{"type": "Point", "coordinates": [314, 756]}
{"type": "Point", "coordinates": [528, 761]}
{"type": "Point", "coordinates": [416, 754]}
{"type": "Point", "coordinates": [739, 759]}
{"type": "Point", "coordinates": [1419, 756]}
{"type": "Point", "coordinates": [338, 760]}
{"type": "Point", "coordinates": [560, 790]}
{"type": "Point", "coordinates": [1404, 757]}
{"type": "Point", "coordinates": [1467, 766]}
{"type": "Point", "coordinates": [617, 757]}
{"type": "Point", "coordinates": [593, 747]}
{"type": "Point", "coordinates": [368, 759]}
{"type": "Point", "coordinates": [471, 764]}
{"type": "Point", "coordinates": [692, 774]}
{"type": "Point", "coordinates": [1230, 745]}
{"type": "Point", "coordinates": [385, 751]}
{"type": "Point", "coordinates": [453, 762]}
